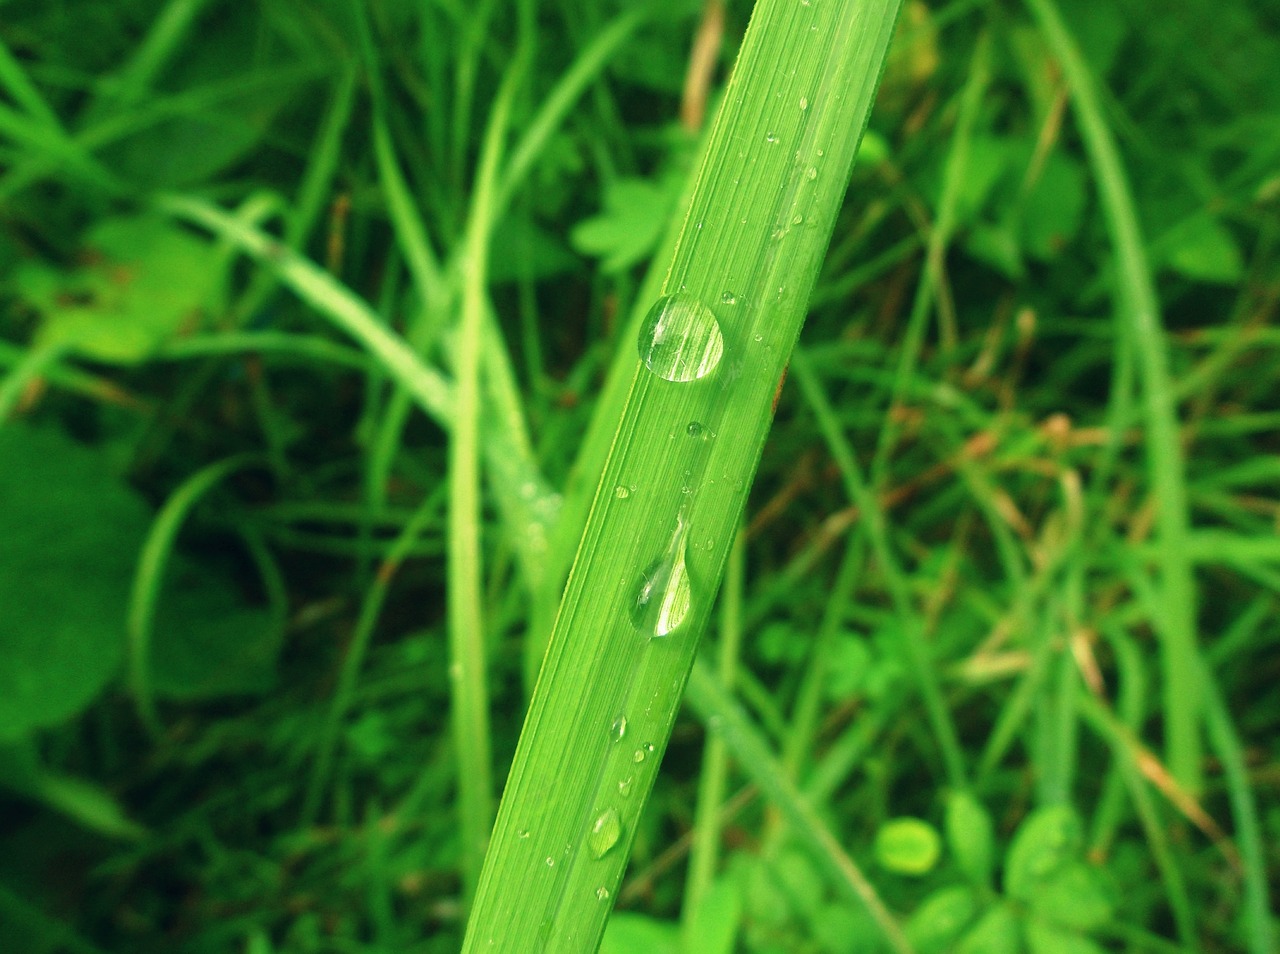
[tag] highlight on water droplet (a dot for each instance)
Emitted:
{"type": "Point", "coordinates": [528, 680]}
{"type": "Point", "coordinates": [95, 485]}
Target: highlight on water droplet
{"type": "Point", "coordinates": [604, 834]}
{"type": "Point", "coordinates": [618, 729]}
{"type": "Point", "coordinates": [680, 339]}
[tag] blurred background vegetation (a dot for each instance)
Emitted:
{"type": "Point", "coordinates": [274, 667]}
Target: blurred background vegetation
{"type": "Point", "coordinates": [202, 479]}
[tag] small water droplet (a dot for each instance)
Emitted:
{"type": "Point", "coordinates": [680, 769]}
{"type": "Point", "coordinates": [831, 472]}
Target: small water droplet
{"type": "Point", "coordinates": [551, 862]}
{"type": "Point", "coordinates": [621, 492]}
{"type": "Point", "coordinates": [639, 756]}
{"type": "Point", "coordinates": [797, 220]}
{"type": "Point", "coordinates": [758, 337]}
{"type": "Point", "coordinates": [604, 834]}
{"type": "Point", "coordinates": [648, 746]}
{"type": "Point", "coordinates": [804, 102]}
{"type": "Point", "coordinates": [522, 834]}
{"type": "Point", "coordinates": [728, 298]}
{"type": "Point", "coordinates": [680, 339]}
{"type": "Point", "coordinates": [618, 729]}
{"type": "Point", "coordinates": [694, 429]}
{"type": "Point", "coordinates": [771, 137]}
{"type": "Point", "coordinates": [820, 152]}
{"type": "Point", "coordinates": [602, 893]}
{"type": "Point", "coordinates": [624, 786]}
{"type": "Point", "coordinates": [811, 173]}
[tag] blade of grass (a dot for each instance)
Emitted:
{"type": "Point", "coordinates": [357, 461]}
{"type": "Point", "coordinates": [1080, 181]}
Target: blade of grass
{"type": "Point", "coordinates": [704, 852]}
{"type": "Point", "coordinates": [1138, 314]}
{"type": "Point", "coordinates": [470, 702]}
{"type": "Point", "coordinates": [686, 445]}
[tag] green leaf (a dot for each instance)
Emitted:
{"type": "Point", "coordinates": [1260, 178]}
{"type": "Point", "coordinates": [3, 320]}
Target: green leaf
{"type": "Point", "coordinates": [908, 846]}
{"type": "Point", "coordinates": [1046, 841]}
{"type": "Point", "coordinates": [996, 933]}
{"type": "Point", "coordinates": [143, 282]}
{"type": "Point", "coordinates": [207, 642]}
{"type": "Point", "coordinates": [1046, 939]}
{"type": "Point", "coordinates": [1051, 212]}
{"type": "Point", "coordinates": [629, 933]}
{"type": "Point", "coordinates": [970, 835]}
{"type": "Point", "coordinates": [635, 214]}
{"type": "Point", "coordinates": [941, 917]}
{"type": "Point", "coordinates": [71, 536]}
{"type": "Point", "coordinates": [1073, 897]}
{"type": "Point", "coordinates": [1203, 250]}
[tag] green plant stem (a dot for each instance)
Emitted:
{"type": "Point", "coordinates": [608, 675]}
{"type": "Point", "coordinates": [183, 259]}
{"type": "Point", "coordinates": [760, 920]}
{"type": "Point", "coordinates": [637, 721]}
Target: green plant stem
{"type": "Point", "coordinates": [1139, 319]}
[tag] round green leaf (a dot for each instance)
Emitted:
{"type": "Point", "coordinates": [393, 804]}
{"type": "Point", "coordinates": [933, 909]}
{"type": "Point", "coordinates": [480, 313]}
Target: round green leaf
{"type": "Point", "coordinates": [908, 846]}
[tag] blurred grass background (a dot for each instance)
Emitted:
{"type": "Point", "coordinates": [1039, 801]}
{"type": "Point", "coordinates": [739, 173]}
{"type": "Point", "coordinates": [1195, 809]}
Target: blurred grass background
{"type": "Point", "coordinates": [224, 478]}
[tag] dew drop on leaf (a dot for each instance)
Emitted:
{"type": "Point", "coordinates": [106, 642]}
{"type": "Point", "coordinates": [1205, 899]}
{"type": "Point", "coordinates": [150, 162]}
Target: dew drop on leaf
{"type": "Point", "coordinates": [728, 298]}
{"type": "Point", "coordinates": [602, 893]}
{"type": "Point", "coordinates": [680, 339]}
{"type": "Point", "coordinates": [621, 492]}
{"type": "Point", "coordinates": [618, 729]}
{"type": "Point", "coordinates": [604, 834]}
{"type": "Point", "coordinates": [664, 595]}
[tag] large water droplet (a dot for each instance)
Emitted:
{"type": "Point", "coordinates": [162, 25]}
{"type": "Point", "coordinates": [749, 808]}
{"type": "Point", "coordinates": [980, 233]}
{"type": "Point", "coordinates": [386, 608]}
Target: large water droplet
{"type": "Point", "coordinates": [618, 729]}
{"type": "Point", "coordinates": [663, 599]}
{"type": "Point", "coordinates": [680, 339]}
{"type": "Point", "coordinates": [604, 834]}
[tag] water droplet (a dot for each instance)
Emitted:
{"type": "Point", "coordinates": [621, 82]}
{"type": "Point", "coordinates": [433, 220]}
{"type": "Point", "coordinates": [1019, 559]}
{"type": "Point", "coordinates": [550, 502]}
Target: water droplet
{"type": "Point", "coordinates": [604, 834]}
{"type": "Point", "coordinates": [680, 339]}
{"type": "Point", "coordinates": [624, 786]}
{"type": "Point", "coordinates": [663, 600]}
{"type": "Point", "coordinates": [618, 729]}
{"type": "Point", "coordinates": [639, 756]}
{"type": "Point", "coordinates": [522, 834]}
{"type": "Point", "coordinates": [771, 137]}
{"type": "Point", "coordinates": [811, 173]}
{"type": "Point", "coordinates": [797, 220]}
{"type": "Point", "coordinates": [621, 492]}
{"type": "Point", "coordinates": [648, 746]}
{"type": "Point", "coordinates": [602, 893]}
{"type": "Point", "coordinates": [694, 429]}
{"type": "Point", "coordinates": [804, 102]}
{"type": "Point", "coordinates": [551, 862]}
{"type": "Point", "coordinates": [728, 298]}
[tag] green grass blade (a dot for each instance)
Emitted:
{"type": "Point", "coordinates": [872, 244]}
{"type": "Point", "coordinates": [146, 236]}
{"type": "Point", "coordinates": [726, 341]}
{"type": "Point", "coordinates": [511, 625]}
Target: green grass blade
{"type": "Point", "coordinates": [1139, 317]}
{"type": "Point", "coordinates": [675, 483]}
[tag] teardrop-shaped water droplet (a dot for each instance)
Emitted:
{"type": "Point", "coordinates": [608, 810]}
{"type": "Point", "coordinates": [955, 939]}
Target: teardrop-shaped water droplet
{"type": "Point", "coordinates": [602, 893]}
{"type": "Point", "coordinates": [618, 729]}
{"type": "Point", "coordinates": [604, 834]}
{"type": "Point", "coordinates": [680, 339]}
{"type": "Point", "coordinates": [663, 599]}
{"type": "Point", "coordinates": [638, 757]}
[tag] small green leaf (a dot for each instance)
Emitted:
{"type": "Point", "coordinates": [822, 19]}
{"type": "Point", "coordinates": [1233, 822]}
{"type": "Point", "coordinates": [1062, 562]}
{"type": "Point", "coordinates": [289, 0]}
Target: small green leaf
{"type": "Point", "coordinates": [635, 214]}
{"type": "Point", "coordinates": [1046, 939]}
{"type": "Point", "coordinates": [1074, 898]}
{"type": "Point", "coordinates": [1045, 842]}
{"type": "Point", "coordinates": [970, 835]}
{"type": "Point", "coordinates": [935, 925]}
{"type": "Point", "coordinates": [71, 537]}
{"type": "Point", "coordinates": [996, 933]}
{"type": "Point", "coordinates": [143, 282]}
{"type": "Point", "coordinates": [908, 846]}
{"type": "Point", "coordinates": [1205, 251]}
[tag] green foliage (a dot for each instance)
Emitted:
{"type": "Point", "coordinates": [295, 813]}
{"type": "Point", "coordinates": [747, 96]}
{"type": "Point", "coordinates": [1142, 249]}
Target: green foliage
{"type": "Point", "coordinates": [317, 322]}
